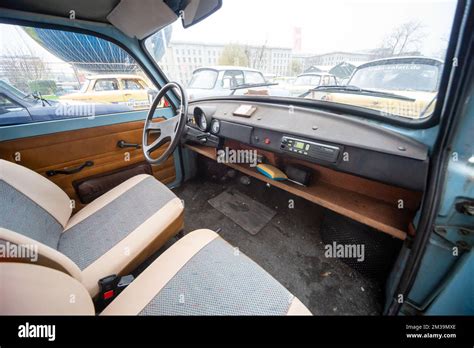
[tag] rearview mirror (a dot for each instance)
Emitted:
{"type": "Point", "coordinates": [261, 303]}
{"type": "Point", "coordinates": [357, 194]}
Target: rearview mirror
{"type": "Point", "coordinates": [196, 10]}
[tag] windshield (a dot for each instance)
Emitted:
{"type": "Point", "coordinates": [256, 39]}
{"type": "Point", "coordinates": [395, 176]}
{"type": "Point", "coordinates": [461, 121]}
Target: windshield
{"type": "Point", "coordinates": [203, 79]}
{"type": "Point", "coordinates": [246, 40]}
{"type": "Point", "coordinates": [308, 80]}
{"type": "Point", "coordinates": [398, 77]}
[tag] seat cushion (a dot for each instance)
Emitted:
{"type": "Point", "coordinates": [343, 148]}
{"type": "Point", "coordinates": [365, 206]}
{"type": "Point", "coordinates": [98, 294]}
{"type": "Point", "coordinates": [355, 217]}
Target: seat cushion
{"type": "Point", "coordinates": [202, 274]}
{"type": "Point", "coordinates": [97, 233]}
{"type": "Point", "coordinates": [121, 228]}
{"type": "Point", "coordinates": [36, 290]}
{"type": "Point", "coordinates": [31, 204]}
{"type": "Point", "coordinates": [21, 214]}
{"type": "Point", "coordinates": [111, 235]}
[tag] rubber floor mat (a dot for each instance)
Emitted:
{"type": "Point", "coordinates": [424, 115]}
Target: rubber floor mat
{"type": "Point", "coordinates": [249, 214]}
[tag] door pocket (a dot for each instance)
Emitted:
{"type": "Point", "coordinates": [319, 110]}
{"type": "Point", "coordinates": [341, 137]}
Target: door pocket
{"type": "Point", "coordinates": [92, 187]}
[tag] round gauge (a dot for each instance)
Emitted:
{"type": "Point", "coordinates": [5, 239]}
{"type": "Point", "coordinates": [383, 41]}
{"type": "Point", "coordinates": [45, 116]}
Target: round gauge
{"type": "Point", "coordinates": [203, 122]}
{"type": "Point", "coordinates": [215, 126]}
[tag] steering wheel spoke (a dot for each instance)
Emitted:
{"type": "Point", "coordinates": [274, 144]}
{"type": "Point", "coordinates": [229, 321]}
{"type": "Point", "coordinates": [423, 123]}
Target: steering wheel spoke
{"type": "Point", "coordinates": [155, 145]}
{"type": "Point", "coordinates": [169, 130]}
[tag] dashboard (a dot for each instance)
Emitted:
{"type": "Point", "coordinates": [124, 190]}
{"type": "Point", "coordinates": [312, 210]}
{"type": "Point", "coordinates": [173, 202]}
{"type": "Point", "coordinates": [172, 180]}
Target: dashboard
{"type": "Point", "coordinates": [333, 140]}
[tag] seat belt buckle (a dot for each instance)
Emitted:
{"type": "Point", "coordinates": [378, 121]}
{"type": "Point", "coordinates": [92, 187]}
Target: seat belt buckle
{"type": "Point", "coordinates": [111, 286]}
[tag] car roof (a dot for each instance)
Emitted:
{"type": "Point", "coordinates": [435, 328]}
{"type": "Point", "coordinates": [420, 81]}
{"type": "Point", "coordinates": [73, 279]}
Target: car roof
{"type": "Point", "coordinates": [225, 67]}
{"type": "Point", "coordinates": [390, 60]}
{"type": "Point", "coordinates": [113, 76]}
{"type": "Point", "coordinates": [316, 74]}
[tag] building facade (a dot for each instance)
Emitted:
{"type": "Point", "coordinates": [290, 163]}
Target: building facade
{"type": "Point", "coordinates": [182, 58]}
{"type": "Point", "coordinates": [334, 58]}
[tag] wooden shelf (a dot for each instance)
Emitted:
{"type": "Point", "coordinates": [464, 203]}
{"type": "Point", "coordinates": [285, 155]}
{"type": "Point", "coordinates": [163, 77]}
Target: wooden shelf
{"type": "Point", "coordinates": [377, 213]}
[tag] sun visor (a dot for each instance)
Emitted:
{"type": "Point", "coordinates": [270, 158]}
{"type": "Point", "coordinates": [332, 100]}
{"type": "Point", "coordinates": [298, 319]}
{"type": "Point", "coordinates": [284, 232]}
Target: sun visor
{"type": "Point", "coordinates": [141, 18]}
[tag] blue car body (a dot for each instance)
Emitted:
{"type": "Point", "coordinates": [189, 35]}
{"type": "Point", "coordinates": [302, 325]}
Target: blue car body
{"type": "Point", "coordinates": [26, 108]}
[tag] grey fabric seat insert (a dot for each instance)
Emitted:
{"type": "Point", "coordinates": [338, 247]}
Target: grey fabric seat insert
{"type": "Point", "coordinates": [94, 236]}
{"type": "Point", "coordinates": [220, 281]}
{"type": "Point", "coordinates": [20, 214]}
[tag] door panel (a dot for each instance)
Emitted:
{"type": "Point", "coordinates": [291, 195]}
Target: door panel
{"type": "Point", "coordinates": [72, 148]}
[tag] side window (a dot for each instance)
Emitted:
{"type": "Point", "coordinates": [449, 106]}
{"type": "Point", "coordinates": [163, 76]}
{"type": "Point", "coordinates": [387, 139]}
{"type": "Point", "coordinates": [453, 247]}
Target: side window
{"type": "Point", "coordinates": [315, 80]}
{"type": "Point", "coordinates": [8, 105]}
{"type": "Point", "coordinates": [131, 84]}
{"type": "Point", "coordinates": [254, 77]}
{"type": "Point", "coordinates": [106, 85]}
{"type": "Point", "coordinates": [326, 80]}
{"type": "Point", "coordinates": [58, 75]}
{"type": "Point", "coordinates": [232, 78]}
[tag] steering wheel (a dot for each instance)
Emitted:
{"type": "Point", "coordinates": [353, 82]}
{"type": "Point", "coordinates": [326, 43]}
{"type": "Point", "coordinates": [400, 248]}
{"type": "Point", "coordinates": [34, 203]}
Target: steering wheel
{"type": "Point", "coordinates": [169, 130]}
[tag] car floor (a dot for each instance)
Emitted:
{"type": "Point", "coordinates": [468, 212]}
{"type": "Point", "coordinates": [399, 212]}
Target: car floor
{"type": "Point", "coordinates": [289, 247]}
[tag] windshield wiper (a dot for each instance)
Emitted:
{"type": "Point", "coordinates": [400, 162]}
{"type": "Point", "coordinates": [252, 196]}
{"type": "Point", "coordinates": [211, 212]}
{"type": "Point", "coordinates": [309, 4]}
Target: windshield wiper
{"type": "Point", "coordinates": [252, 85]}
{"type": "Point", "coordinates": [427, 107]}
{"type": "Point", "coordinates": [38, 96]}
{"type": "Point", "coordinates": [357, 90]}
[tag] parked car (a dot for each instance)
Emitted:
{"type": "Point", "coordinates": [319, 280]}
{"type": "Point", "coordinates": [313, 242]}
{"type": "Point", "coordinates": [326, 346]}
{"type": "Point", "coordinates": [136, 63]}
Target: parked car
{"type": "Point", "coordinates": [307, 81]}
{"type": "Point", "coordinates": [230, 80]}
{"type": "Point", "coordinates": [285, 81]}
{"type": "Point", "coordinates": [404, 86]}
{"type": "Point", "coordinates": [132, 90]}
{"type": "Point", "coordinates": [18, 107]}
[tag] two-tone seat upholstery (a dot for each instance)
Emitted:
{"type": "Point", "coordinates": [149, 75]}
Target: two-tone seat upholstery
{"type": "Point", "coordinates": [111, 235]}
{"type": "Point", "coordinates": [201, 274]}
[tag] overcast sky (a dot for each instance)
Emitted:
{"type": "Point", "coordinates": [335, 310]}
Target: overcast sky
{"type": "Point", "coordinates": [327, 25]}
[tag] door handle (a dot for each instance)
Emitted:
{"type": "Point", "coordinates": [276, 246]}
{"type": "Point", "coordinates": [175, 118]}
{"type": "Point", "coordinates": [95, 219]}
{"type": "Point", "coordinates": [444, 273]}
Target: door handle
{"type": "Point", "coordinates": [123, 144]}
{"type": "Point", "coordinates": [70, 171]}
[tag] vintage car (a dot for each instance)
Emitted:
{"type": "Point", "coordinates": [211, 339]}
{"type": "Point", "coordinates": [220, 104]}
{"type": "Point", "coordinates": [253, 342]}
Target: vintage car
{"type": "Point", "coordinates": [404, 86]}
{"type": "Point", "coordinates": [230, 80]}
{"type": "Point", "coordinates": [308, 81]}
{"type": "Point", "coordinates": [230, 200]}
{"type": "Point", "coordinates": [131, 90]}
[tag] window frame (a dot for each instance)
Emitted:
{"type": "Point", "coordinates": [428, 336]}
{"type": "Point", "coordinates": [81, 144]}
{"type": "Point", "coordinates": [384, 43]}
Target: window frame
{"type": "Point", "coordinates": [106, 90]}
{"type": "Point", "coordinates": [137, 81]}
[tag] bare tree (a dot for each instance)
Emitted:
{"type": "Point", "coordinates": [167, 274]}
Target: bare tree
{"type": "Point", "coordinates": [256, 55]}
{"type": "Point", "coordinates": [20, 65]}
{"type": "Point", "coordinates": [21, 69]}
{"type": "Point", "coordinates": [404, 39]}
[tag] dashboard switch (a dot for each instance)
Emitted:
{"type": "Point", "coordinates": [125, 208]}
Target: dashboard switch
{"type": "Point", "coordinates": [267, 141]}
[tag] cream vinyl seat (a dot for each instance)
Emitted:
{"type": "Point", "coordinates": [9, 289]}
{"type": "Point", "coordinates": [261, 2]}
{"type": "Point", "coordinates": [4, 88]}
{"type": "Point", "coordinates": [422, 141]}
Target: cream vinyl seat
{"type": "Point", "coordinates": [200, 274]}
{"type": "Point", "coordinates": [111, 235]}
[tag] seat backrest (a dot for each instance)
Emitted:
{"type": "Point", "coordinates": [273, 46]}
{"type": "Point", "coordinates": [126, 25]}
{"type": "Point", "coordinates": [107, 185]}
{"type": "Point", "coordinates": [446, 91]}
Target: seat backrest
{"type": "Point", "coordinates": [32, 205]}
{"type": "Point", "coordinates": [36, 290]}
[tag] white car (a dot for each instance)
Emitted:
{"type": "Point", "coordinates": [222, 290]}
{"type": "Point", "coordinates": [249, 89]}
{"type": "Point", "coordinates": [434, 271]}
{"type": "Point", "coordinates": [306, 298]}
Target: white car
{"type": "Point", "coordinates": [230, 80]}
{"type": "Point", "coordinates": [307, 81]}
